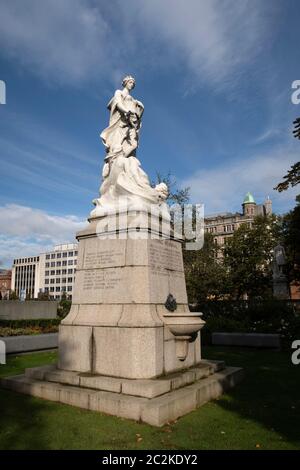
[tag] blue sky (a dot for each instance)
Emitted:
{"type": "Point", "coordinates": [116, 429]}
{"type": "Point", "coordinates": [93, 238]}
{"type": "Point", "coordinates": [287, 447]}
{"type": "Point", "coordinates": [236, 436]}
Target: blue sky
{"type": "Point", "coordinates": [215, 78]}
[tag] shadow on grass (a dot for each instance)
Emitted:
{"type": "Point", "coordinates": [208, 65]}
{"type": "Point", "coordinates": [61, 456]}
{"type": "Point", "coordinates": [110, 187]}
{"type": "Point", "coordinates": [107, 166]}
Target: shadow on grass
{"type": "Point", "coordinates": [269, 393]}
{"type": "Point", "coordinates": [22, 417]}
{"type": "Point", "coordinates": [21, 421]}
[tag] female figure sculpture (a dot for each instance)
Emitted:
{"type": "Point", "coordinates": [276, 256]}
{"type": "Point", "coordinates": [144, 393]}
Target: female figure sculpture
{"type": "Point", "coordinates": [125, 121]}
{"type": "Point", "coordinates": [124, 181]}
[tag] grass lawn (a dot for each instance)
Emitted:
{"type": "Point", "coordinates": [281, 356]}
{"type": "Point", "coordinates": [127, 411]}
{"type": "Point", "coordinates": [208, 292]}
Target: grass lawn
{"type": "Point", "coordinates": [263, 412]}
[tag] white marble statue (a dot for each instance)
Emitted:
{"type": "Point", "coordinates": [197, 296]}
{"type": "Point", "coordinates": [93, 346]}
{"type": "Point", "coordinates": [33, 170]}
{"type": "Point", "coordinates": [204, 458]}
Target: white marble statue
{"type": "Point", "coordinates": [124, 181]}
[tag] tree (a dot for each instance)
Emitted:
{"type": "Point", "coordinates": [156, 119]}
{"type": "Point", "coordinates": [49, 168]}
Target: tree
{"type": "Point", "coordinates": [248, 255]}
{"type": "Point", "coordinates": [296, 131]}
{"type": "Point", "coordinates": [292, 178]}
{"type": "Point", "coordinates": [13, 295]}
{"type": "Point", "coordinates": [206, 277]}
{"type": "Point", "coordinates": [291, 238]}
{"type": "Point", "coordinates": [43, 296]}
{"type": "Point", "coordinates": [176, 195]}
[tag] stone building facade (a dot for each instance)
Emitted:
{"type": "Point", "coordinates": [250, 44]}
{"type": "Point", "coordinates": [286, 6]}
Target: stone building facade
{"type": "Point", "coordinates": [5, 283]}
{"type": "Point", "coordinates": [223, 225]}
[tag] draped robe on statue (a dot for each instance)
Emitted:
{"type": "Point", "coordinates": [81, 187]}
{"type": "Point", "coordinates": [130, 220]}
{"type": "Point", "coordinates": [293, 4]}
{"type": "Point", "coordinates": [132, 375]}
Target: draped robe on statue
{"type": "Point", "coordinates": [124, 181]}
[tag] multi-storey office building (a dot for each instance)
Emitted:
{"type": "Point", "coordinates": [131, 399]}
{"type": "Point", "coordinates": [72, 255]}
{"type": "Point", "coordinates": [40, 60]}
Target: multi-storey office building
{"type": "Point", "coordinates": [52, 272]}
{"type": "Point", "coordinates": [26, 276]}
{"type": "Point", "coordinates": [58, 268]}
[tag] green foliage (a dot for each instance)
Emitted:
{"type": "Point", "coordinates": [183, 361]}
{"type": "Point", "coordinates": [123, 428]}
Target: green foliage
{"type": "Point", "coordinates": [205, 276]}
{"type": "Point", "coordinates": [292, 178]}
{"type": "Point", "coordinates": [42, 322]}
{"type": "Point", "coordinates": [28, 331]}
{"type": "Point", "coordinates": [291, 239]}
{"type": "Point", "coordinates": [43, 296]}
{"type": "Point", "coordinates": [28, 327]}
{"type": "Point", "coordinates": [248, 255]}
{"type": "Point", "coordinates": [63, 307]}
{"type": "Point", "coordinates": [255, 316]}
{"type": "Point", "coordinates": [13, 295]}
{"type": "Point", "coordinates": [176, 196]}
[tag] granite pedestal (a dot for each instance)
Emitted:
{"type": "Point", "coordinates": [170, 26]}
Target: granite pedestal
{"type": "Point", "coordinates": [116, 352]}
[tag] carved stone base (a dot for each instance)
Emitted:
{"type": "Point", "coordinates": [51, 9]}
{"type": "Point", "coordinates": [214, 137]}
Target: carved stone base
{"type": "Point", "coordinates": [154, 401]}
{"type": "Point", "coordinates": [116, 323]}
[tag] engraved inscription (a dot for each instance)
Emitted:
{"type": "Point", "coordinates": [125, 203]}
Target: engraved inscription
{"type": "Point", "coordinates": [165, 256]}
{"type": "Point", "coordinates": [102, 280]}
{"type": "Point", "coordinates": [104, 258]}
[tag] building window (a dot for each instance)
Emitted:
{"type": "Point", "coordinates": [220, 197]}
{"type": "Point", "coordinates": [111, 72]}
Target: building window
{"type": "Point", "coordinates": [47, 256]}
{"type": "Point", "coordinates": [57, 289]}
{"type": "Point", "coordinates": [58, 263]}
{"type": "Point", "coordinates": [51, 289]}
{"type": "Point", "coordinates": [70, 279]}
{"type": "Point", "coordinates": [70, 262]}
{"type": "Point", "coordinates": [58, 255]}
{"type": "Point", "coordinates": [53, 256]}
{"type": "Point", "coordinates": [51, 281]}
{"type": "Point", "coordinates": [65, 254]}
{"type": "Point", "coordinates": [64, 271]}
{"type": "Point", "coordinates": [46, 281]}
{"type": "Point", "coordinates": [58, 280]}
{"type": "Point", "coordinates": [52, 264]}
{"type": "Point", "coordinates": [46, 273]}
{"type": "Point", "coordinates": [57, 271]}
{"type": "Point", "coordinates": [69, 288]}
{"type": "Point", "coordinates": [70, 271]}
{"type": "Point", "coordinates": [70, 253]}
{"type": "Point", "coordinates": [75, 261]}
{"type": "Point", "coordinates": [64, 263]}
{"type": "Point", "coordinates": [75, 253]}
{"type": "Point", "coordinates": [47, 265]}
{"type": "Point", "coordinates": [63, 280]}
{"type": "Point", "coordinates": [46, 289]}
{"type": "Point", "coordinates": [52, 272]}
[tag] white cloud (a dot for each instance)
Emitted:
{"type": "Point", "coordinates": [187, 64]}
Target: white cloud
{"type": "Point", "coordinates": [213, 38]}
{"type": "Point", "coordinates": [28, 231]}
{"type": "Point", "coordinates": [223, 189]}
{"type": "Point", "coordinates": [61, 40]}
{"type": "Point", "coordinates": [73, 40]}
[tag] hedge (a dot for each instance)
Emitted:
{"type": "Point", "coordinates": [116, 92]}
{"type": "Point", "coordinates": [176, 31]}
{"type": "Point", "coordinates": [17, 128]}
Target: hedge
{"type": "Point", "coordinates": [42, 323]}
{"type": "Point", "coordinates": [255, 316]}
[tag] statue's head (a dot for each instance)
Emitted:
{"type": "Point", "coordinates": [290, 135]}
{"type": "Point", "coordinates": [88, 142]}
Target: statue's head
{"type": "Point", "coordinates": [128, 82]}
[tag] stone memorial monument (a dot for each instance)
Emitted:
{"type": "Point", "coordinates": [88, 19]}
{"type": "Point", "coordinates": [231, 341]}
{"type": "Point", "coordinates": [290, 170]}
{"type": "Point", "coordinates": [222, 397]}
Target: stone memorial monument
{"type": "Point", "coordinates": [280, 280]}
{"type": "Point", "coordinates": [129, 346]}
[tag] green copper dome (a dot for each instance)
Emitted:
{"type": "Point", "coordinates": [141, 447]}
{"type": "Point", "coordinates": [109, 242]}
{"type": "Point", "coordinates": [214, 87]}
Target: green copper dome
{"type": "Point", "coordinates": [249, 199]}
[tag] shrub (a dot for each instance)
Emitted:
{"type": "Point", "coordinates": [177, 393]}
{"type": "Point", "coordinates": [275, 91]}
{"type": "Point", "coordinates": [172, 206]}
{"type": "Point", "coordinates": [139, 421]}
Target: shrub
{"type": "Point", "coordinates": [255, 316]}
{"type": "Point", "coordinates": [63, 308]}
{"type": "Point", "coordinates": [28, 327]}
